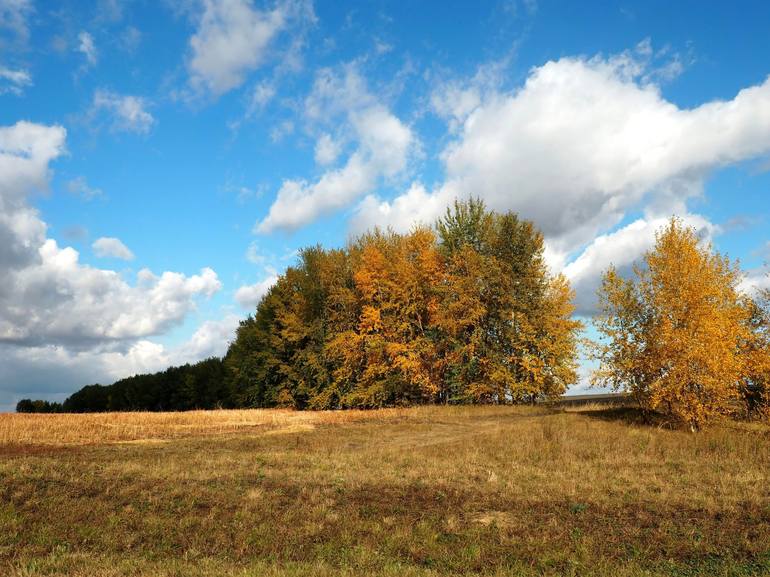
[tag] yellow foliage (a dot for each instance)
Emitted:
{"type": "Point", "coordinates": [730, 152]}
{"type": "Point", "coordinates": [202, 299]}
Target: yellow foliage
{"type": "Point", "coordinates": [674, 334]}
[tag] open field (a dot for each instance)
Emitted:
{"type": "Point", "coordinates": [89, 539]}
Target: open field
{"type": "Point", "coordinates": [425, 491]}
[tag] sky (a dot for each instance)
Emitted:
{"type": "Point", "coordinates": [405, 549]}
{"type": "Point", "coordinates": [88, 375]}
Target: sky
{"type": "Point", "coordinates": [162, 162]}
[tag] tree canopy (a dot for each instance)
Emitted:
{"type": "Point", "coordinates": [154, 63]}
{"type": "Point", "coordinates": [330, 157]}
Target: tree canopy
{"type": "Point", "coordinates": [464, 312]}
{"type": "Point", "coordinates": [679, 334]}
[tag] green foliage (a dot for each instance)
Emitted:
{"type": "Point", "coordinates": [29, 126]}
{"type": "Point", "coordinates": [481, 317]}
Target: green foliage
{"type": "Point", "coordinates": [203, 385]}
{"type": "Point", "coordinates": [37, 406]}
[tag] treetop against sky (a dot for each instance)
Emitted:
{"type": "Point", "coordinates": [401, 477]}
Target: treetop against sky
{"type": "Point", "coordinates": [162, 163]}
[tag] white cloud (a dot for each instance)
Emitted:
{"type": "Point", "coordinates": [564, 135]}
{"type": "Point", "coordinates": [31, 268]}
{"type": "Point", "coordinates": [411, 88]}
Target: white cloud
{"type": "Point", "coordinates": [248, 296]}
{"type": "Point", "coordinates": [211, 339]}
{"type": "Point", "coordinates": [455, 99]}
{"type": "Point", "coordinates": [48, 297]}
{"type": "Point", "coordinates": [254, 256]}
{"type": "Point", "coordinates": [326, 150]}
{"type": "Point", "coordinates": [14, 39]}
{"type": "Point", "coordinates": [385, 147]}
{"type": "Point", "coordinates": [87, 48]}
{"type": "Point", "coordinates": [130, 39]}
{"type": "Point", "coordinates": [282, 130]}
{"type": "Point", "coordinates": [621, 249]}
{"type": "Point", "coordinates": [128, 113]}
{"type": "Point", "coordinates": [261, 95]}
{"type": "Point", "coordinates": [756, 280]}
{"type": "Point", "coordinates": [233, 37]}
{"type": "Point", "coordinates": [585, 141]}
{"type": "Point", "coordinates": [415, 206]}
{"type": "Point", "coordinates": [14, 81]}
{"type": "Point", "coordinates": [54, 371]}
{"type": "Point", "coordinates": [110, 247]}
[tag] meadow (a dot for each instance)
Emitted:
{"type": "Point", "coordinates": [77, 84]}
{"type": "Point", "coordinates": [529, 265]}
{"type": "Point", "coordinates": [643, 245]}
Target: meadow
{"type": "Point", "coordinates": [398, 492]}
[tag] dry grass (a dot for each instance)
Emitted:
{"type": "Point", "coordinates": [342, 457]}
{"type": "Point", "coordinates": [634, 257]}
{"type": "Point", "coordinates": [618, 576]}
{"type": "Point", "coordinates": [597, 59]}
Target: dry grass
{"type": "Point", "coordinates": [428, 491]}
{"type": "Point", "coordinates": [99, 428]}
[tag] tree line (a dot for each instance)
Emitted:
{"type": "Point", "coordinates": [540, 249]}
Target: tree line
{"type": "Point", "coordinates": [467, 311]}
{"type": "Point", "coordinates": [462, 312]}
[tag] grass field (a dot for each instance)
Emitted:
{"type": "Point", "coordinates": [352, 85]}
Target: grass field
{"type": "Point", "coordinates": [426, 491]}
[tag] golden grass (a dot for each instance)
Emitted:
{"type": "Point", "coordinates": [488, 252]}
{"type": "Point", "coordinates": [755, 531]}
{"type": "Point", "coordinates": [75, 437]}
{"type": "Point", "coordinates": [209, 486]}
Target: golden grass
{"type": "Point", "coordinates": [427, 491]}
{"type": "Point", "coordinates": [98, 428]}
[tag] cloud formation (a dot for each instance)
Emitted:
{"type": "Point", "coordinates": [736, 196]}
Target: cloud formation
{"type": "Point", "coordinates": [50, 299]}
{"type": "Point", "coordinates": [622, 249]}
{"type": "Point", "coordinates": [54, 372]}
{"type": "Point", "coordinates": [248, 296]}
{"type": "Point", "coordinates": [581, 144]}
{"type": "Point", "coordinates": [14, 17]}
{"type": "Point", "coordinates": [87, 48]}
{"type": "Point", "coordinates": [14, 81]}
{"type": "Point", "coordinates": [384, 148]}
{"type": "Point", "coordinates": [232, 39]}
{"type": "Point", "coordinates": [110, 247]}
{"type": "Point", "coordinates": [127, 113]}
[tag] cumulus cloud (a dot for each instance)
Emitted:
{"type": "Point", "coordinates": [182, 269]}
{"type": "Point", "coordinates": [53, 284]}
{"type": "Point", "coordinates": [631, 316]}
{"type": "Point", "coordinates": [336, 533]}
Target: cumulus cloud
{"type": "Point", "coordinates": [248, 296]}
{"type": "Point", "coordinates": [127, 113]}
{"type": "Point", "coordinates": [110, 247]}
{"type": "Point", "coordinates": [385, 145]}
{"type": "Point", "coordinates": [583, 142]}
{"type": "Point", "coordinates": [54, 371]}
{"type": "Point", "coordinates": [48, 297]}
{"type": "Point", "coordinates": [455, 99]}
{"type": "Point", "coordinates": [64, 324]}
{"type": "Point", "coordinates": [622, 249]}
{"type": "Point", "coordinates": [211, 339]}
{"type": "Point", "coordinates": [415, 206]}
{"type": "Point", "coordinates": [232, 39]}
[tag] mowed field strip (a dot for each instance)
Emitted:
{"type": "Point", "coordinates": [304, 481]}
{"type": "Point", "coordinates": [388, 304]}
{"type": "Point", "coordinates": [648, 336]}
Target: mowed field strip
{"type": "Point", "coordinates": [424, 491]}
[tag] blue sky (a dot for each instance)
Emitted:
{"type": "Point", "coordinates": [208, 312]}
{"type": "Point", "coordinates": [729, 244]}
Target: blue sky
{"type": "Point", "coordinates": [161, 162]}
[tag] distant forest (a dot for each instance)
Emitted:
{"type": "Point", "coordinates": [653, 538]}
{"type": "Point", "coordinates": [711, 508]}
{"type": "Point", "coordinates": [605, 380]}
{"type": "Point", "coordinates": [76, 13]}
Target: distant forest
{"type": "Point", "coordinates": [462, 312]}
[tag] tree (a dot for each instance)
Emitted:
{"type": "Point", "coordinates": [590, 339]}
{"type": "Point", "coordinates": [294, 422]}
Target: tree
{"type": "Point", "coordinates": [25, 406]}
{"type": "Point", "coordinates": [37, 406]}
{"type": "Point", "coordinates": [465, 312]}
{"type": "Point", "coordinates": [508, 335]}
{"type": "Point", "coordinates": [673, 334]}
{"type": "Point", "coordinates": [388, 356]}
{"type": "Point", "coordinates": [755, 387]}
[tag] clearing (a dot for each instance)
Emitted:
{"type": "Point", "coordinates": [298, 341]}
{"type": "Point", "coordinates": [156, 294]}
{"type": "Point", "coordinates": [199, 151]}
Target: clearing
{"type": "Point", "coordinates": [399, 492]}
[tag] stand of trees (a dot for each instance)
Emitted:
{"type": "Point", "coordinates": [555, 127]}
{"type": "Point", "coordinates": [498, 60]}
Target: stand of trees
{"type": "Point", "coordinates": [680, 336]}
{"type": "Point", "coordinates": [465, 312]}
{"type": "Point", "coordinates": [204, 385]}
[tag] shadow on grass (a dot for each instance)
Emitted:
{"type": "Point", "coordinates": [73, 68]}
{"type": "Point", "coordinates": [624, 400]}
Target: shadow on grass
{"type": "Point", "coordinates": [631, 415]}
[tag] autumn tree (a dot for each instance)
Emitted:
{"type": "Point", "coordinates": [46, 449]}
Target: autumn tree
{"type": "Point", "coordinates": [672, 335]}
{"type": "Point", "coordinates": [388, 357]}
{"type": "Point", "coordinates": [755, 386]}
{"type": "Point", "coordinates": [509, 335]}
{"type": "Point", "coordinates": [466, 312]}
